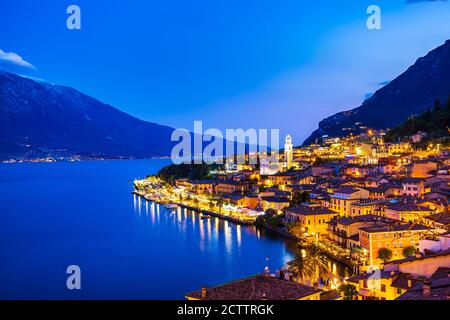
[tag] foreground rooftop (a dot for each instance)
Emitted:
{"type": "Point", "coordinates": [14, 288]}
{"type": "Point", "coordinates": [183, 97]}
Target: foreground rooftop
{"type": "Point", "coordinates": [257, 287]}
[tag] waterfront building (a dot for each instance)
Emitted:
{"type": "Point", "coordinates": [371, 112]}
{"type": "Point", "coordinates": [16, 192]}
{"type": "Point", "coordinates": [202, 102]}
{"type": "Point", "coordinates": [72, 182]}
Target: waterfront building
{"type": "Point", "coordinates": [239, 200]}
{"type": "Point", "coordinates": [274, 202]}
{"type": "Point", "coordinates": [311, 217]}
{"type": "Point", "coordinates": [392, 237]}
{"type": "Point", "coordinates": [343, 230]}
{"type": "Point", "coordinates": [197, 186]}
{"type": "Point", "coordinates": [230, 186]}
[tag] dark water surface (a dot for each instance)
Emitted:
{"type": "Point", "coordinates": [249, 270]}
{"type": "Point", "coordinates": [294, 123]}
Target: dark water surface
{"type": "Point", "coordinates": [53, 215]}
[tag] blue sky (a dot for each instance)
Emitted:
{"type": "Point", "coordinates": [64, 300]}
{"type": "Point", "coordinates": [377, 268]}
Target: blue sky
{"type": "Point", "coordinates": [231, 63]}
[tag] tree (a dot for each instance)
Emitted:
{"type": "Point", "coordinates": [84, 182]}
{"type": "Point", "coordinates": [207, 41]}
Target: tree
{"type": "Point", "coordinates": [220, 202]}
{"type": "Point", "coordinates": [409, 252]}
{"type": "Point", "coordinates": [385, 254]}
{"type": "Point", "coordinates": [184, 171]}
{"type": "Point", "coordinates": [348, 291]}
{"type": "Point", "coordinates": [270, 217]}
{"type": "Point", "coordinates": [299, 197]}
{"type": "Point", "coordinates": [296, 229]}
{"type": "Point", "coordinates": [211, 205]}
{"type": "Point", "coordinates": [319, 161]}
{"type": "Point", "coordinates": [434, 121]}
{"type": "Point", "coordinates": [437, 104]}
{"type": "Point", "coordinates": [447, 104]}
{"type": "Point", "coordinates": [196, 202]}
{"type": "Point", "coordinates": [309, 264]}
{"type": "Point", "coordinates": [318, 259]}
{"type": "Point", "coordinates": [274, 220]}
{"type": "Point", "coordinates": [300, 268]}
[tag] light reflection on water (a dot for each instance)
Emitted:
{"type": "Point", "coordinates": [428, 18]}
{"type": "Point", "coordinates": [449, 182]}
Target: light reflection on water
{"type": "Point", "coordinates": [82, 213]}
{"type": "Point", "coordinates": [209, 229]}
{"type": "Point", "coordinates": [214, 232]}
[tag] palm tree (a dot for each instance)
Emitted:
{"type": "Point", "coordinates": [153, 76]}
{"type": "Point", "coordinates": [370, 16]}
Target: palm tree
{"type": "Point", "coordinates": [309, 264]}
{"type": "Point", "coordinates": [318, 259]}
{"type": "Point", "coordinates": [300, 268]}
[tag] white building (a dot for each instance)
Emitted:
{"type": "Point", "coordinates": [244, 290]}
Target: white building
{"type": "Point", "coordinates": [288, 152]}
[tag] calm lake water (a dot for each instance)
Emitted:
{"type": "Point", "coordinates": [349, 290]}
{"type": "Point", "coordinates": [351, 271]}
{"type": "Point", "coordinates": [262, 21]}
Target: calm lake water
{"type": "Point", "coordinates": [53, 215]}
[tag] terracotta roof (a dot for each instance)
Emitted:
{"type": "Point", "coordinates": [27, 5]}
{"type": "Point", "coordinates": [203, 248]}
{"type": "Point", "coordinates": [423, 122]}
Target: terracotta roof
{"type": "Point", "coordinates": [440, 273]}
{"type": "Point", "coordinates": [362, 218]}
{"type": "Point", "coordinates": [393, 228]}
{"type": "Point", "coordinates": [380, 189]}
{"type": "Point", "coordinates": [437, 254]}
{"type": "Point", "coordinates": [255, 288]}
{"type": "Point", "coordinates": [311, 210]}
{"type": "Point", "coordinates": [233, 197]}
{"type": "Point", "coordinates": [205, 181]}
{"type": "Point", "coordinates": [401, 281]}
{"type": "Point", "coordinates": [400, 206]}
{"type": "Point", "coordinates": [412, 180]}
{"type": "Point", "coordinates": [281, 193]}
{"type": "Point", "coordinates": [346, 190]}
{"type": "Point", "coordinates": [231, 182]}
{"type": "Point", "coordinates": [365, 276]}
{"type": "Point", "coordinates": [275, 199]}
{"type": "Point", "coordinates": [440, 290]}
{"type": "Point", "coordinates": [443, 218]}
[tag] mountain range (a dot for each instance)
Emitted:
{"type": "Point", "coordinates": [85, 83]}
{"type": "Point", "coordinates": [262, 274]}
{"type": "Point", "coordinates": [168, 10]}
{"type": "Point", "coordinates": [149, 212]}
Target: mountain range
{"type": "Point", "coordinates": [411, 93]}
{"type": "Point", "coordinates": [39, 119]}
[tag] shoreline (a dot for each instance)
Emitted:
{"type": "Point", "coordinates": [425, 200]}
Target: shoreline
{"type": "Point", "coordinates": [202, 211]}
{"type": "Point", "coordinates": [42, 160]}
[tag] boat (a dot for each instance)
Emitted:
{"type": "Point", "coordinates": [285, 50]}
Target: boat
{"type": "Point", "coordinates": [171, 206]}
{"type": "Point", "coordinates": [204, 216]}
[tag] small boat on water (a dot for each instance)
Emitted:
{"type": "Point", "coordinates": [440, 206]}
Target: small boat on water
{"type": "Point", "coordinates": [171, 206]}
{"type": "Point", "coordinates": [204, 216]}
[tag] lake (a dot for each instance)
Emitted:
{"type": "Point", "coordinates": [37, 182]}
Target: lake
{"type": "Point", "coordinates": [53, 215]}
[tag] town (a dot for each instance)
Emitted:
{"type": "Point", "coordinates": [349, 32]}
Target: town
{"type": "Point", "coordinates": [381, 208]}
